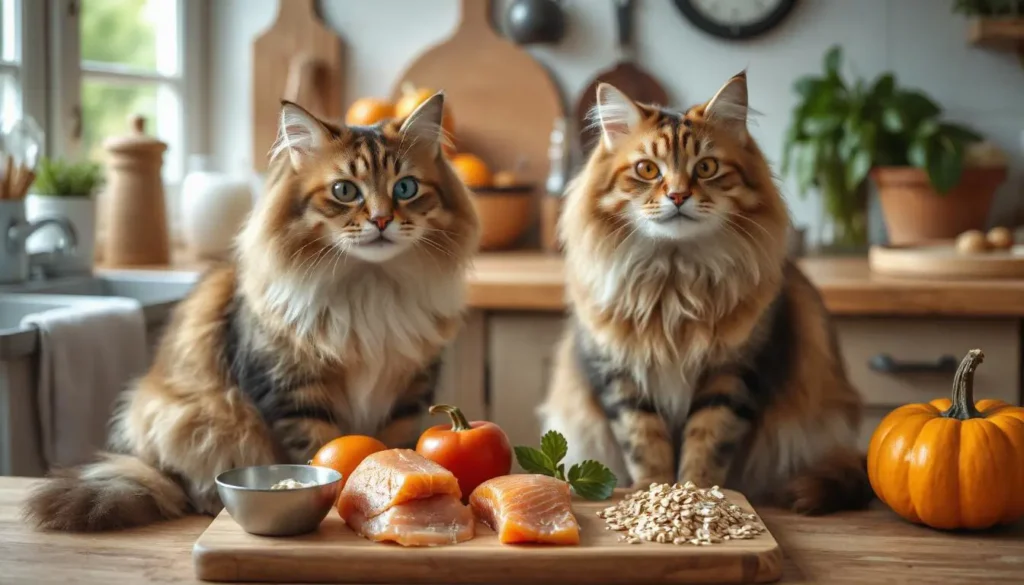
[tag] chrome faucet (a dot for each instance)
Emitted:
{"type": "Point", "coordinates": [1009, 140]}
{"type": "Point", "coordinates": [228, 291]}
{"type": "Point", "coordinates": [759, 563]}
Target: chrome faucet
{"type": "Point", "coordinates": [16, 264]}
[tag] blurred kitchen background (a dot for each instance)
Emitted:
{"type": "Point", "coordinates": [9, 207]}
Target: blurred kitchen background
{"type": "Point", "coordinates": [137, 133]}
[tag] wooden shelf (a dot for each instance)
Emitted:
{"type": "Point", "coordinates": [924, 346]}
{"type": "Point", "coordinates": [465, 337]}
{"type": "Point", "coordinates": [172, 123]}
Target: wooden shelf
{"type": "Point", "coordinates": [997, 33]}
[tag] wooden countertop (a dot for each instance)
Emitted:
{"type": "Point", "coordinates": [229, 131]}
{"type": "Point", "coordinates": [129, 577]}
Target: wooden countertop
{"type": "Point", "coordinates": [856, 548]}
{"type": "Point", "coordinates": [532, 281]}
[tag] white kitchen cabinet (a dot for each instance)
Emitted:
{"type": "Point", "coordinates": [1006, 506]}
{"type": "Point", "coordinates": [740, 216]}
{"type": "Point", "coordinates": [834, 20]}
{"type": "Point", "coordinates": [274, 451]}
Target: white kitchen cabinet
{"type": "Point", "coordinates": [520, 352]}
{"type": "Point", "coordinates": [462, 380]}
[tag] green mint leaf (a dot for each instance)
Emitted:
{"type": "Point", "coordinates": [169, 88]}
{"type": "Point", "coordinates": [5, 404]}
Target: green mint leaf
{"type": "Point", "coordinates": [592, 480]}
{"type": "Point", "coordinates": [561, 472]}
{"type": "Point", "coordinates": [554, 445]}
{"type": "Point", "coordinates": [534, 461]}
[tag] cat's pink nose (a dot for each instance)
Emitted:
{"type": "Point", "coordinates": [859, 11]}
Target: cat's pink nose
{"type": "Point", "coordinates": [679, 197]}
{"type": "Point", "coordinates": [382, 222]}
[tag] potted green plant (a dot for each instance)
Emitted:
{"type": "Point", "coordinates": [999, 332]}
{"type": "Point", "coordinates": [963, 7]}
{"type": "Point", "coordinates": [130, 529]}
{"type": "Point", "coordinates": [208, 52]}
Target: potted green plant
{"type": "Point", "coordinates": [68, 189]}
{"type": "Point", "coordinates": [935, 179]}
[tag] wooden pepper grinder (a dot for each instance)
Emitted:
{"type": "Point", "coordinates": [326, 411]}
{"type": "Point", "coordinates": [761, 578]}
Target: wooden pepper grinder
{"type": "Point", "coordinates": [135, 214]}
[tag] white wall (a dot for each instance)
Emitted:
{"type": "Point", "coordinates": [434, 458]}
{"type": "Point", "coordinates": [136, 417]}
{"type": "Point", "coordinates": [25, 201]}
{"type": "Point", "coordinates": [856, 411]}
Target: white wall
{"type": "Point", "coordinates": [919, 40]}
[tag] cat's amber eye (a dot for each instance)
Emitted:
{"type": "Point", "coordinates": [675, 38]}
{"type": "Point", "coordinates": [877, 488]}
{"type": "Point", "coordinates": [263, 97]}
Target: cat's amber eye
{"type": "Point", "coordinates": [647, 170]}
{"type": "Point", "coordinates": [405, 188]}
{"type": "Point", "coordinates": [345, 191]}
{"type": "Point", "coordinates": [706, 168]}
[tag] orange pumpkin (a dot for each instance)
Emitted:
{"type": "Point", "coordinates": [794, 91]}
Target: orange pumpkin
{"type": "Point", "coordinates": [952, 463]}
{"type": "Point", "coordinates": [368, 111]}
{"type": "Point", "coordinates": [412, 97]}
{"type": "Point", "coordinates": [472, 170]}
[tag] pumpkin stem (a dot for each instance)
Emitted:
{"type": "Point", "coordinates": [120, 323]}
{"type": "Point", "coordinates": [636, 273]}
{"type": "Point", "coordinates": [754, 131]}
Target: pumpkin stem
{"type": "Point", "coordinates": [963, 388]}
{"type": "Point", "coordinates": [459, 422]}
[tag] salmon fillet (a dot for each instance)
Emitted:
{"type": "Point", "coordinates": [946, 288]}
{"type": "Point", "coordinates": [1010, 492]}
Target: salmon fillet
{"type": "Point", "coordinates": [433, 521]}
{"type": "Point", "coordinates": [527, 508]}
{"type": "Point", "coordinates": [393, 477]}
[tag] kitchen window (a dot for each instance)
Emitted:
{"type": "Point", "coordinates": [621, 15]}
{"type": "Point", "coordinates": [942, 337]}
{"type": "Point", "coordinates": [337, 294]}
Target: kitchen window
{"type": "Point", "coordinates": [119, 58]}
{"type": "Point", "coordinates": [22, 67]}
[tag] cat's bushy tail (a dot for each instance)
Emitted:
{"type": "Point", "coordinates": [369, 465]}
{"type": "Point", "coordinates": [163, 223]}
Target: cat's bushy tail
{"type": "Point", "coordinates": [118, 491]}
{"type": "Point", "coordinates": [837, 482]}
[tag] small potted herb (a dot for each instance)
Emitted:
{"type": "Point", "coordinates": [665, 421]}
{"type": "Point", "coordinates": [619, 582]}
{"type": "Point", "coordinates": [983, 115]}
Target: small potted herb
{"type": "Point", "coordinates": [935, 179]}
{"type": "Point", "coordinates": [66, 189]}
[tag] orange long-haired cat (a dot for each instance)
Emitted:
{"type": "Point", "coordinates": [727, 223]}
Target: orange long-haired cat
{"type": "Point", "coordinates": [696, 352]}
{"type": "Point", "coordinates": [348, 281]}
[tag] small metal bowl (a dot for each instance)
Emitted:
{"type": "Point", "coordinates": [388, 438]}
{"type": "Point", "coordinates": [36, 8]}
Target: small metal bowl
{"type": "Point", "coordinates": [246, 494]}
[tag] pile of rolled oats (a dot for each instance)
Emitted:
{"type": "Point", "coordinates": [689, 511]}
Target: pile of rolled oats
{"type": "Point", "coordinates": [680, 514]}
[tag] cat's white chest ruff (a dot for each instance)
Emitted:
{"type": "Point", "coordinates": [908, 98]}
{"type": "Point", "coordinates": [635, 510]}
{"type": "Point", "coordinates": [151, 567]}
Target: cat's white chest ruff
{"type": "Point", "coordinates": [382, 336]}
{"type": "Point", "coordinates": [671, 389]}
{"type": "Point", "coordinates": [369, 397]}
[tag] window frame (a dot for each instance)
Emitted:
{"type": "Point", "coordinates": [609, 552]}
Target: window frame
{"type": "Point", "coordinates": [67, 73]}
{"type": "Point", "coordinates": [30, 65]}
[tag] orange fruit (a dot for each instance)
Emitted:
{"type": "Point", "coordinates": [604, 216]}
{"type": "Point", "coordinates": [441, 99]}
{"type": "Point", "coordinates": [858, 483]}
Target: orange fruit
{"type": "Point", "coordinates": [473, 171]}
{"type": "Point", "coordinates": [412, 97]}
{"type": "Point", "coordinates": [345, 453]}
{"type": "Point", "coordinates": [368, 111]}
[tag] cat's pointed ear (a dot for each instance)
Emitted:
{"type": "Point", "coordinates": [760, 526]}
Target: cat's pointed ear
{"type": "Point", "coordinates": [616, 114]}
{"type": "Point", "coordinates": [424, 123]}
{"type": "Point", "coordinates": [728, 109]}
{"type": "Point", "coordinates": [299, 133]}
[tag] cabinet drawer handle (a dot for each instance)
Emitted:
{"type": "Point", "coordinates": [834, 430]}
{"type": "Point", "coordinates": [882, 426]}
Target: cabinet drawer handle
{"type": "Point", "coordinates": [886, 364]}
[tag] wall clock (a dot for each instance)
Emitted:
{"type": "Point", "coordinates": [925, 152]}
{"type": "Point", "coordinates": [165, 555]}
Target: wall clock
{"type": "Point", "coordinates": [735, 19]}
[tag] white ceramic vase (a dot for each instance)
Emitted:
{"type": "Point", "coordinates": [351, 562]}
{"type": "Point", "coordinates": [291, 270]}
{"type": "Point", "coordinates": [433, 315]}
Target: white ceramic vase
{"type": "Point", "coordinates": [80, 210]}
{"type": "Point", "coordinates": [214, 207]}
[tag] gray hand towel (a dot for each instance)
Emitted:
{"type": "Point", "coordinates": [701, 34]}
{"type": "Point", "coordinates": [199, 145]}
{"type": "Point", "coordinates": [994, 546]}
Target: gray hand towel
{"type": "Point", "coordinates": [88, 354]}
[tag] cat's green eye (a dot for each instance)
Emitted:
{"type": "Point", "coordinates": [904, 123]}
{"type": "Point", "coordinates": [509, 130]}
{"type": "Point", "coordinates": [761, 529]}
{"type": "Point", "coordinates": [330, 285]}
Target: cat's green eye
{"type": "Point", "coordinates": [647, 170]}
{"type": "Point", "coordinates": [345, 191]}
{"type": "Point", "coordinates": [706, 168]}
{"type": "Point", "coordinates": [406, 188]}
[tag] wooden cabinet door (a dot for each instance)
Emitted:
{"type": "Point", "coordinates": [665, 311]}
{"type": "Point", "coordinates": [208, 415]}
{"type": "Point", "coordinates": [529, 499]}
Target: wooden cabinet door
{"type": "Point", "coordinates": [894, 361]}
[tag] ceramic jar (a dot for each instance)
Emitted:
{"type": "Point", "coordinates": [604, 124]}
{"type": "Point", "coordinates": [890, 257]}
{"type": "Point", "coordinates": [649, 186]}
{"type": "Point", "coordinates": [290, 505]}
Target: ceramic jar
{"type": "Point", "coordinates": [214, 207]}
{"type": "Point", "coordinates": [134, 213]}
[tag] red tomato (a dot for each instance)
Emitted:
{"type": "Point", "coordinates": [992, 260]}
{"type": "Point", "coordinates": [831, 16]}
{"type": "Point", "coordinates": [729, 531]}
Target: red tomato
{"type": "Point", "coordinates": [473, 451]}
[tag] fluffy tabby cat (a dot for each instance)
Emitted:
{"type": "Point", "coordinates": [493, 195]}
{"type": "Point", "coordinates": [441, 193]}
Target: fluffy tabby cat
{"type": "Point", "coordinates": [696, 351]}
{"type": "Point", "coordinates": [348, 282]}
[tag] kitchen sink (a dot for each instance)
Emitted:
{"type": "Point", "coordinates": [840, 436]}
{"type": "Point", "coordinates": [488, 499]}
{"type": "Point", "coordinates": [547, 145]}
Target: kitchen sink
{"type": "Point", "coordinates": [157, 291]}
{"type": "Point", "coordinates": [15, 340]}
{"type": "Point", "coordinates": [151, 288]}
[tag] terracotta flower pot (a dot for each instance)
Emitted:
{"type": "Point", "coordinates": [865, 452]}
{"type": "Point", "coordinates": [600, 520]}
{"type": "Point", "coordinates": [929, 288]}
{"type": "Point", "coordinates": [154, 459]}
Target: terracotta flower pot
{"type": "Point", "coordinates": [914, 212]}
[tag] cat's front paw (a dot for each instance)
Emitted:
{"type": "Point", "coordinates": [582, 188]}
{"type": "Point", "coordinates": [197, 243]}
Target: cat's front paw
{"type": "Point", "coordinates": [702, 480]}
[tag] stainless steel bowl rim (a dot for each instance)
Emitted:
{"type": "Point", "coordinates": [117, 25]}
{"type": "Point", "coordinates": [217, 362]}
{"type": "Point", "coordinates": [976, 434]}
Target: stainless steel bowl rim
{"type": "Point", "coordinates": [336, 477]}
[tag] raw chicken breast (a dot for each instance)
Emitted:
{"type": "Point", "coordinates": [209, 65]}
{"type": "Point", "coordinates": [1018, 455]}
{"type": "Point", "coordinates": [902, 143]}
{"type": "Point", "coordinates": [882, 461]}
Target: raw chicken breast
{"type": "Point", "coordinates": [393, 477]}
{"type": "Point", "coordinates": [527, 508]}
{"type": "Point", "coordinates": [432, 521]}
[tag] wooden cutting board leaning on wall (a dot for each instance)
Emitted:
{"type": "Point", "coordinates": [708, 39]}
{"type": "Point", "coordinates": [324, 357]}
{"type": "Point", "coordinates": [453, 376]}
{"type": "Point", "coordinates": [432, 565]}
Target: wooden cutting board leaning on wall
{"type": "Point", "coordinates": [298, 58]}
{"type": "Point", "coordinates": [503, 102]}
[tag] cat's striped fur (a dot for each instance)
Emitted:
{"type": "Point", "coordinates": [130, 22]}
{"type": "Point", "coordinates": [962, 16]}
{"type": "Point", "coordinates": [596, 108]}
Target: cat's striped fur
{"type": "Point", "coordinates": [695, 351]}
{"type": "Point", "coordinates": [330, 321]}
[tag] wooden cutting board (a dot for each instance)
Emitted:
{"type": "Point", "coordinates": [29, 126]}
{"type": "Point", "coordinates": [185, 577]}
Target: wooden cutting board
{"type": "Point", "coordinates": [503, 102]}
{"type": "Point", "coordinates": [941, 260]}
{"type": "Point", "coordinates": [334, 554]}
{"type": "Point", "coordinates": [625, 75]}
{"type": "Point", "coordinates": [297, 58]}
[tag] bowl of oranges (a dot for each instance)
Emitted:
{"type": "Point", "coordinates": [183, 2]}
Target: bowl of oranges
{"type": "Point", "coordinates": [503, 204]}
